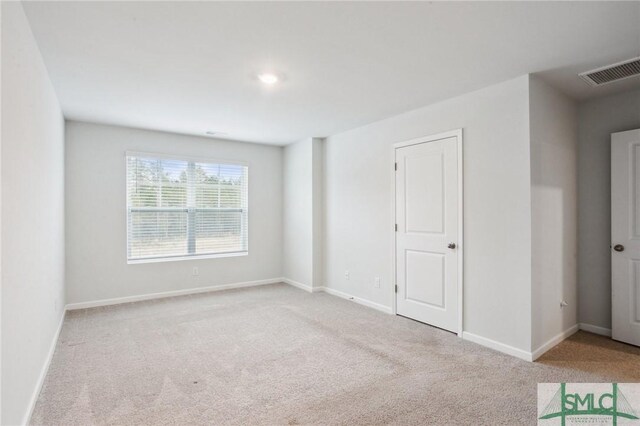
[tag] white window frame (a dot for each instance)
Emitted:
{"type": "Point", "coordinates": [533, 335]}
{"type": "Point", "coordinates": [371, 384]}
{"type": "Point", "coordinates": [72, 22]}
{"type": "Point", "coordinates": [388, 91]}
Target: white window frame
{"type": "Point", "coordinates": [174, 258]}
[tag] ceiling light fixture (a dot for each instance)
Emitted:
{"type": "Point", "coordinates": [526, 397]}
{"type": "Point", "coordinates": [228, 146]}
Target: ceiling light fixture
{"type": "Point", "coordinates": [268, 78]}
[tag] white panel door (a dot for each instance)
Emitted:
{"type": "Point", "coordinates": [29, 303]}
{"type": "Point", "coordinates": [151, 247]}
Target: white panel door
{"type": "Point", "coordinates": [625, 236]}
{"type": "Point", "coordinates": [427, 232]}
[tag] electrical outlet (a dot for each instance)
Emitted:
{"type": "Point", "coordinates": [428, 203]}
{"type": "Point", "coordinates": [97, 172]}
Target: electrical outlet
{"type": "Point", "coordinates": [376, 282]}
{"type": "Point", "coordinates": [195, 271]}
{"type": "Point", "coordinates": [346, 275]}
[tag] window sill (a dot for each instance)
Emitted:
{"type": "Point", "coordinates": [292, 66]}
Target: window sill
{"type": "Point", "coordinates": [179, 258]}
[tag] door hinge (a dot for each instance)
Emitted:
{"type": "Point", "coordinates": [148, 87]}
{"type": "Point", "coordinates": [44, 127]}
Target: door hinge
{"type": "Point", "coordinates": [395, 167]}
{"type": "Point", "coordinates": [396, 288]}
{"type": "Point", "coordinates": [396, 227]}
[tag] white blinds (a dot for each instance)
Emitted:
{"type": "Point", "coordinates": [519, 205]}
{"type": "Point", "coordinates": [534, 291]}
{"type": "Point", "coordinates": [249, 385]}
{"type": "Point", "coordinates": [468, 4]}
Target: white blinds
{"type": "Point", "coordinates": [181, 208]}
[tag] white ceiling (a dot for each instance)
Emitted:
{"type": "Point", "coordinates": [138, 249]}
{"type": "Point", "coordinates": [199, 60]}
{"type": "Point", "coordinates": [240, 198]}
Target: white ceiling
{"type": "Point", "coordinates": [189, 67]}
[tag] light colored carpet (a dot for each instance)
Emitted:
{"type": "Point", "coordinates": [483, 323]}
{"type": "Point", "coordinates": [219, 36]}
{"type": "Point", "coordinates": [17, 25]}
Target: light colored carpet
{"type": "Point", "coordinates": [278, 355]}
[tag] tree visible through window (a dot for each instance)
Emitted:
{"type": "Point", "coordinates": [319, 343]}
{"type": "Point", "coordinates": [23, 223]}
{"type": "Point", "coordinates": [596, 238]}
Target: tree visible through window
{"type": "Point", "coordinates": [179, 208]}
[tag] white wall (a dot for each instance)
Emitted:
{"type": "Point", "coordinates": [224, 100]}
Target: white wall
{"type": "Point", "coordinates": [303, 213]}
{"type": "Point", "coordinates": [298, 212]}
{"type": "Point", "coordinates": [317, 161]}
{"type": "Point", "coordinates": [553, 130]}
{"type": "Point", "coordinates": [1, 25]}
{"type": "Point", "coordinates": [32, 216]}
{"type": "Point", "coordinates": [497, 206]}
{"type": "Point", "coordinates": [97, 267]}
{"type": "Point", "coordinates": [597, 119]}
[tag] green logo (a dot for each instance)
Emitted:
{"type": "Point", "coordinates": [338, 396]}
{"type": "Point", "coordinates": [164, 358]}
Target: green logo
{"type": "Point", "coordinates": [613, 404]}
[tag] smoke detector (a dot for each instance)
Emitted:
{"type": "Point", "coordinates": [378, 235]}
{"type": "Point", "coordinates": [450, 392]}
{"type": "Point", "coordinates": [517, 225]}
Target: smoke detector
{"type": "Point", "coordinates": [212, 133]}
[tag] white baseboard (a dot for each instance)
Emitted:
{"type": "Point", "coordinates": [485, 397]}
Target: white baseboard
{"type": "Point", "coordinates": [299, 285]}
{"type": "Point", "coordinates": [595, 329]}
{"type": "Point", "coordinates": [500, 347]}
{"type": "Point", "coordinates": [520, 353]}
{"type": "Point", "coordinates": [43, 372]}
{"type": "Point", "coordinates": [554, 341]}
{"type": "Point", "coordinates": [150, 296]}
{"type": "Point", "coordinates": [364, 302]}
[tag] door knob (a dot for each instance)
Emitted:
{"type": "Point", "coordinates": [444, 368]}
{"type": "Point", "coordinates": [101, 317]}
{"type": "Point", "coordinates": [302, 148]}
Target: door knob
{"type": "Point", "coordinates": [452, 246]}
{"type": "Point", "coordinates": [618, 247]}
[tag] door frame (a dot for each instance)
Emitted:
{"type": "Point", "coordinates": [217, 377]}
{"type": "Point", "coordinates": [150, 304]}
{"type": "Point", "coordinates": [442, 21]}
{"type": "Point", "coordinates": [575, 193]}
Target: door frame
{"type": "Point", "coordinates": [457, 133]}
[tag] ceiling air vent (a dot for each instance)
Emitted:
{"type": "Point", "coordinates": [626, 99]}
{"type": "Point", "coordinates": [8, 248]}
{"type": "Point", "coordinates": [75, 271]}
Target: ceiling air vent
{"type": "Point", "coordinates": [611, 73]}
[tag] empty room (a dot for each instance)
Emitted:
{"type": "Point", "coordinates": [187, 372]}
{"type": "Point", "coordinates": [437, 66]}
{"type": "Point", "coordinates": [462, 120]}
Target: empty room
{"type": "Point", "coordinates": [320, 213]}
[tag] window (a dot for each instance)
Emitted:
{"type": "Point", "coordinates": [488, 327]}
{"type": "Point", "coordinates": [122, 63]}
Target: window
{"type": "Point", "coordinates": [185, 208]}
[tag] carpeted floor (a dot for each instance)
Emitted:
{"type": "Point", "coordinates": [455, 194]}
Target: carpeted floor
{"type": "Point", "coordinates": [278, 355]}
